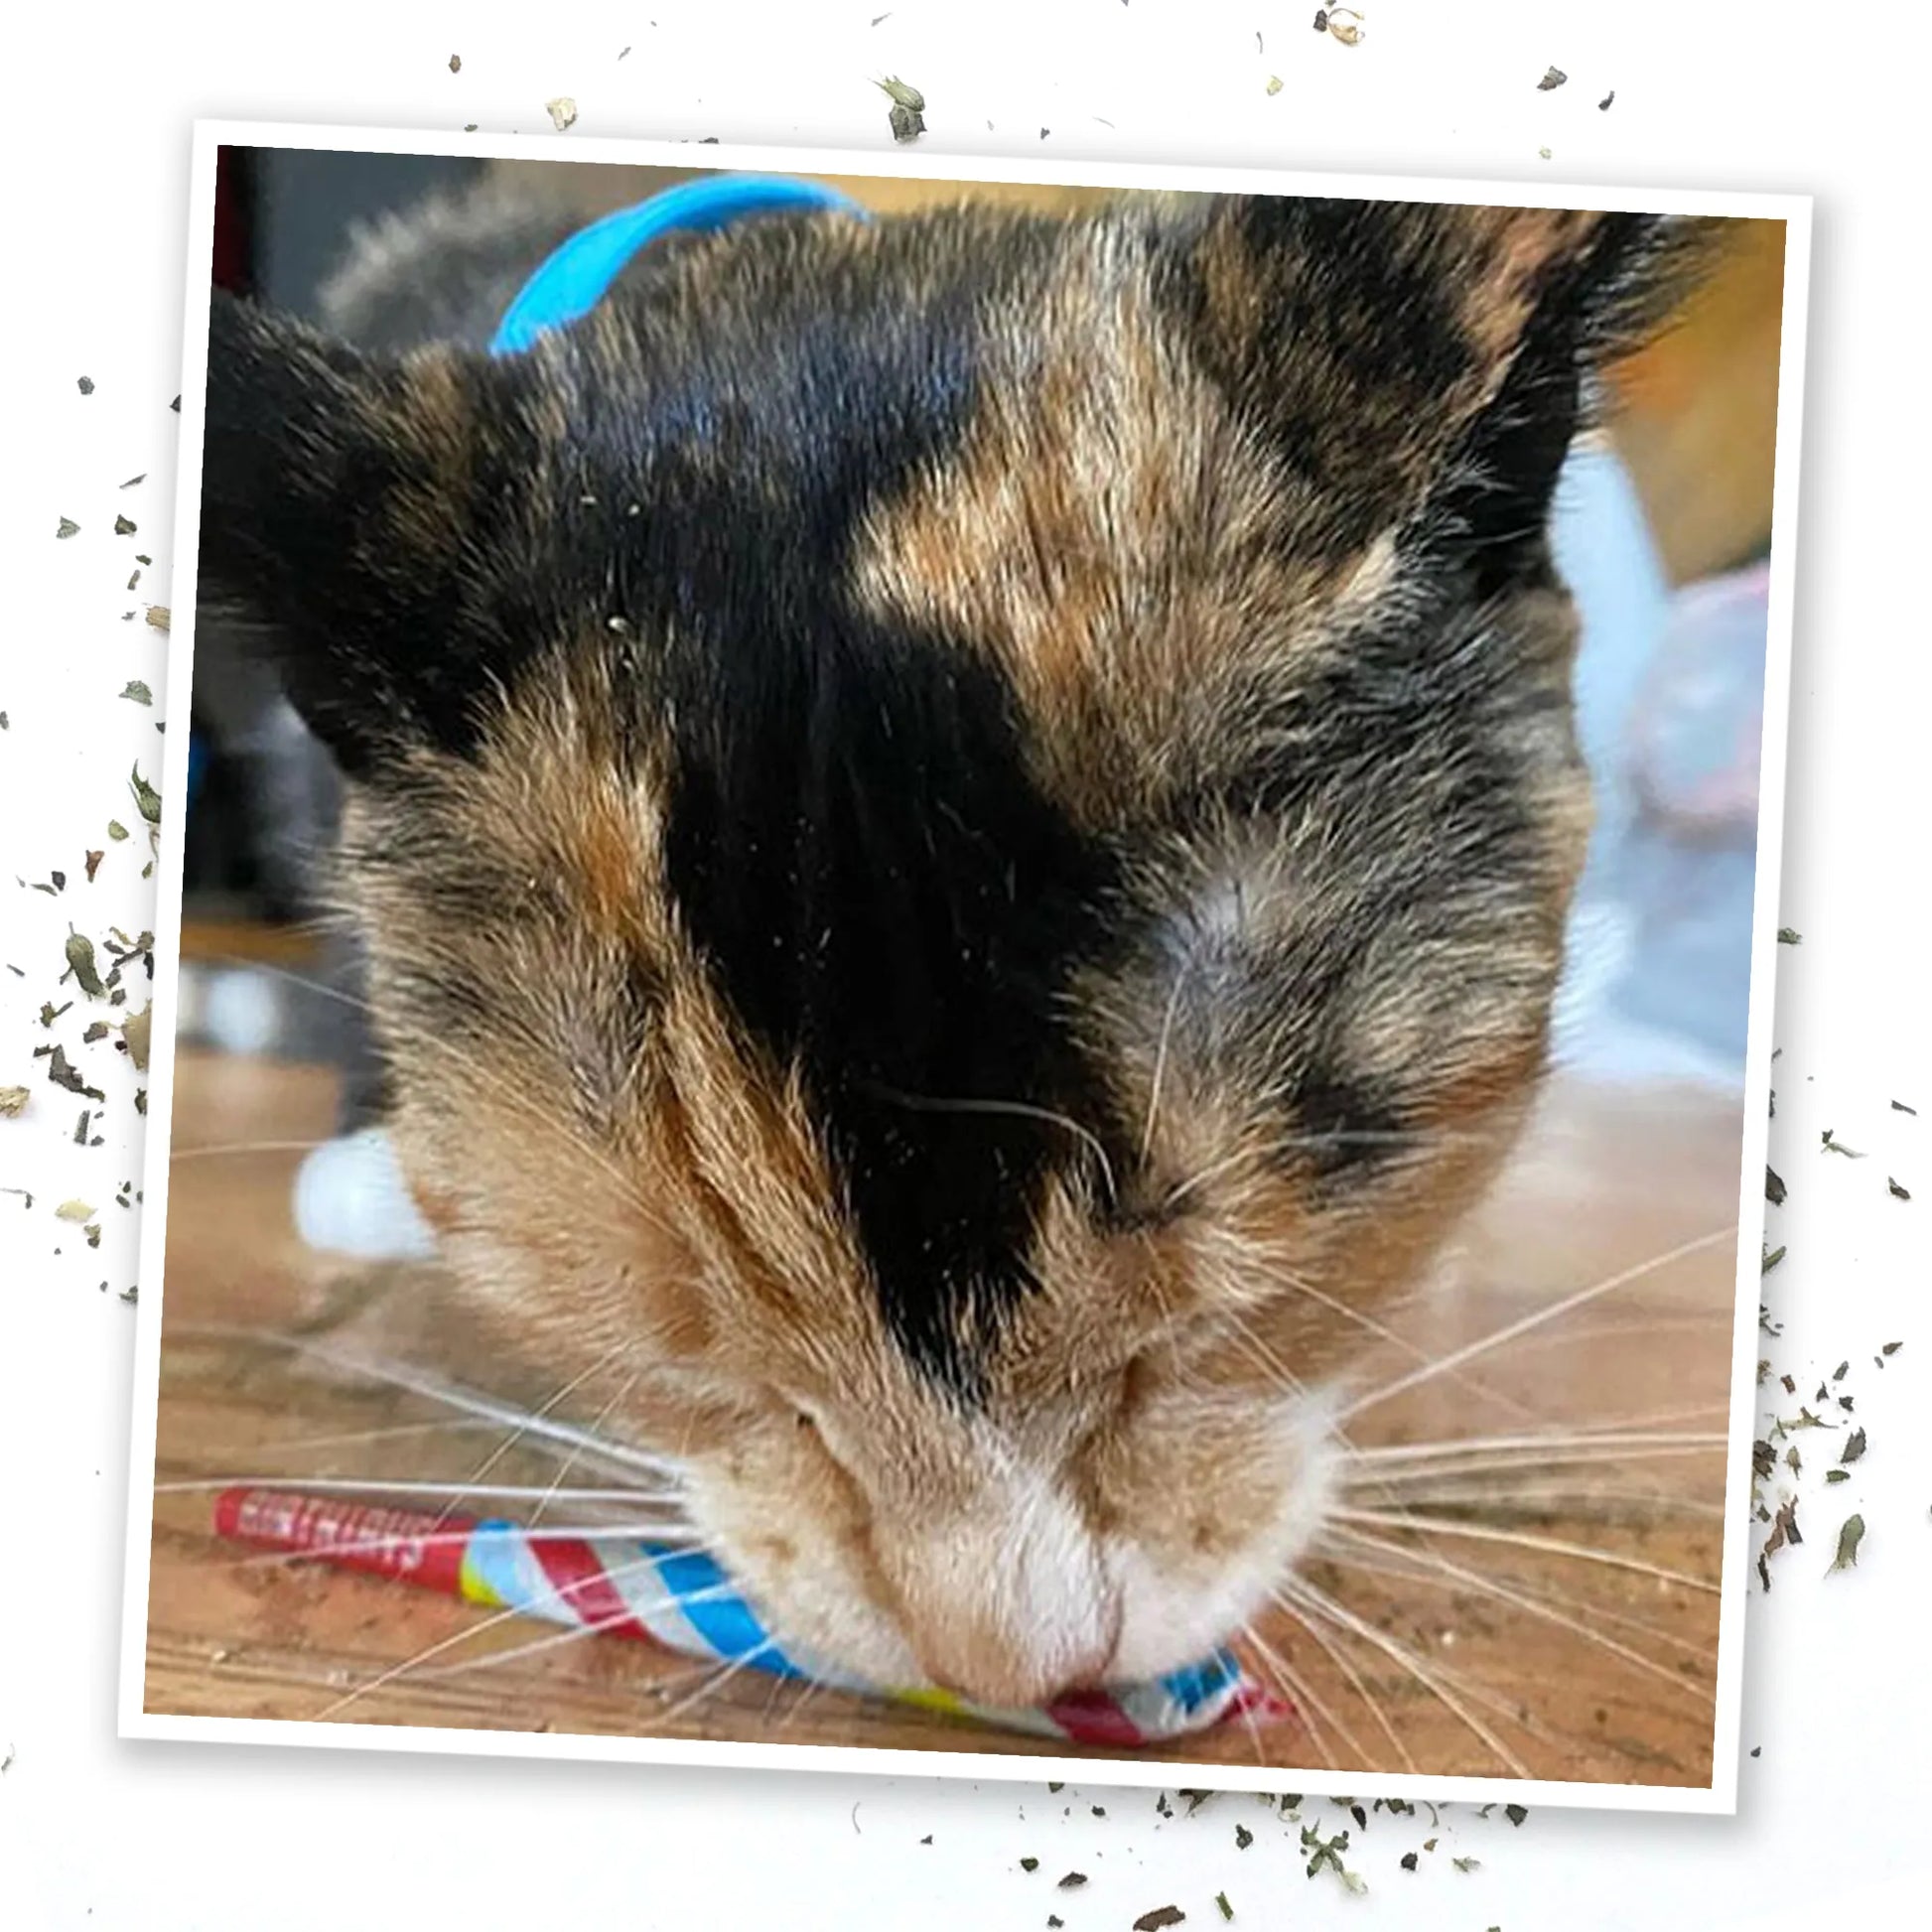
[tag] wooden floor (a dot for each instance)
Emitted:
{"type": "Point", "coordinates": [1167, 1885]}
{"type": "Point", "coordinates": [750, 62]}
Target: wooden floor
{"type": "Point", "coordinates": [1607, 1678]}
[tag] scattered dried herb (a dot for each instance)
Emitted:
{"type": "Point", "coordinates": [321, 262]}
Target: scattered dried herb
{"type": "Point", "coordinates": [1789, 935]}
{"type": "Point", "coordinates": [1853, 1447]}
{"type": "Point", "coordinates": [146, 797]}
{"type": "Point", "coordinates": [1243, 1838]}
{"type": "Point", "coordinates": [1895, 1191]}
{"type": "Point", "coordinates": [63, 1076]}
{"type": "Point", "coordinates": [562, 112]}
{"type": "Point", "coordinates": [1073, 1882]}
{"type": "Point", "coordinates": [74, 1210]}
{"type": "Point", "coordinates": [1515, 1813]}
{"type": "Point", "coordinates": [126, 526]}
{"type": "Point", "coordinates": [1838, 1475]}
{"type": "Point", "coordinates": [1409, 1861]}
{"type": "Point", "coordinates": [455, 63]}
{"type": "Point", "coordinates": [1221, 1900]}
{"type": "Point", "coordinates": [1274, 84]}
{"type": "Point", "coordinates": [1772, 1256]}
{"type": "Point", "coordinates": [96, 1030]}
{"type": "Point", "coordinates": [1603, 106]}
{"type": "Point", "coordinates": [67, 527]}
{"type": "Point", "coordinates": [1773, 1187]}
{"type": "Point", "coordinates": [93, 864]}
{"type": "Point", "coordinates": [137, 692]}
{"type": "Point", "coordinates": [1554, 77]}
{"type": "Point", "coordinates": [80, 963]}
{"type": "Point", "coordinates": [1159, 1919]}
{"type": "Point", "coordinates": [1029, 1865]}
{"type": "Point", "coordinates": [1899, 1107]}
{"type": "Point", "coordinates": [13, 1102]}
{"type": "Point", "coordinates": [1322, 20]}
{"type": "Point", "coordinates": [1891, 1349]}
{"type": "Point", "coordinates": [1466, 1865]}
{"type": "Point", "coordinates": [1849, 1536]}
{"type": "Point", "coordinates": [85, 385]}
{"type": "Point", "coordinates": [117, 830]}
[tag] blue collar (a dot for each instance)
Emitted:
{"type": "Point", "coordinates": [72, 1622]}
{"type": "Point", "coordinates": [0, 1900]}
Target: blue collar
{"type": "Point", "coordinates": [573, 281]}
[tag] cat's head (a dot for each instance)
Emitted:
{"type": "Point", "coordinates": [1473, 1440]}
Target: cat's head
{"type": "Point", "coordinates": [963, 827]}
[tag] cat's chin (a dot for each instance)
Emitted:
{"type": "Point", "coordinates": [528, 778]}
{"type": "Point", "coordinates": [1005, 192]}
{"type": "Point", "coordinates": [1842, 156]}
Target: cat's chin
{"type": "Point", "coordinates": [1169, 1622]}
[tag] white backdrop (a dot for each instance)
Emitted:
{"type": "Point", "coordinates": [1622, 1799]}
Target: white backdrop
{"type": "Point", "coordinates": [1723, 94]}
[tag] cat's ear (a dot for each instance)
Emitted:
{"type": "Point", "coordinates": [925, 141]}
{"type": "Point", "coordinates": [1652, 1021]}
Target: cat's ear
{"type": "Point", "coordinates": [339, 501]}
{"type": "Point", "coordinates": [1409, 359]}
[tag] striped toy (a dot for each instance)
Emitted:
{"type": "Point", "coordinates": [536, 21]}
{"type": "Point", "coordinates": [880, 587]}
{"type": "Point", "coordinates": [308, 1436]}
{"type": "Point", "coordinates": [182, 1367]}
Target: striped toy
{"type": "Point", "coordinates": [679, 1598]}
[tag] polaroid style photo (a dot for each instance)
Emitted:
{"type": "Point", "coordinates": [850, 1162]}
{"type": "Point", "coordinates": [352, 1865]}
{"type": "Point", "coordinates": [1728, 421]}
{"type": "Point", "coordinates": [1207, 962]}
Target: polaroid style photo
{"type": "Point", "coordinates": [966, 971]}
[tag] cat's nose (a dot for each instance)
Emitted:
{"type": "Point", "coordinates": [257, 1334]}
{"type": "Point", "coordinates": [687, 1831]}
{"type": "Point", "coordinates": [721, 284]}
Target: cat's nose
{"type": "Point", "coordinates": [1005, 1606]}
{"type": "Point", "coordinates": [988, 1667]}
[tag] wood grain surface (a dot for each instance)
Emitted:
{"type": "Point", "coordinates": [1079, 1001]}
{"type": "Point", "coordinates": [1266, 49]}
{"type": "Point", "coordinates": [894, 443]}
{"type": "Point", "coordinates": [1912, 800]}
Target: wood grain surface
{"type": "Point", "coordinates": [1574, 1668]}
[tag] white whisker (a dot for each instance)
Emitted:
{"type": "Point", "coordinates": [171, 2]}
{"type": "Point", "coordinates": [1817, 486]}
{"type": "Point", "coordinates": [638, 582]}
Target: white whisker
{"type": "Point", "coordinates": [1497, 1338]}
{"type": "Point", "coordinates": [1548, 1546]}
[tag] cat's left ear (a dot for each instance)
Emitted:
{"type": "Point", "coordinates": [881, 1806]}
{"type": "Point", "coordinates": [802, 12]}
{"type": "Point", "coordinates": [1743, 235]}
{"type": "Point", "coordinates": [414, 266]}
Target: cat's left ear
{"type": "Point", "coordinates": [343, 499]}
{"type": "Point", "coordinates": [1411, 359]}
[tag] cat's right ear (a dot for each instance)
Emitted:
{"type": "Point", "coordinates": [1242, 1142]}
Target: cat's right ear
{"type": "Point", "coordinates": [339, 498]}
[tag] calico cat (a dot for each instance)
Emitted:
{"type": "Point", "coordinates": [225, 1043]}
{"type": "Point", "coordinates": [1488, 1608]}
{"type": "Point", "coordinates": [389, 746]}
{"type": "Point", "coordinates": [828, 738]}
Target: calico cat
{"type": "Point", "coordinates": [960, 828]}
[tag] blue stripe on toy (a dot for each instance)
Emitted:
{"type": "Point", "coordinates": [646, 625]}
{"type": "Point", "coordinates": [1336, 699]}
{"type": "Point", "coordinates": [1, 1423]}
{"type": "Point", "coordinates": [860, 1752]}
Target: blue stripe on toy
{"type": "Point", "coordinates": [575, 278]}
{"type": "Point", "coordinates": [723, 1620]}
{"type": "Point", "coordinates": [1192, 1687]}
{"type": "Point", "coordinates": [498, 1553]}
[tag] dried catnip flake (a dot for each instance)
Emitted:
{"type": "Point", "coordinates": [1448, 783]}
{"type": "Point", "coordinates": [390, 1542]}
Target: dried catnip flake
{"type": "Point", "coordinates": [1849, 1539]}
{"type": "Point", "coordinates": [126, 526]}
{"type": "Point", "coordinates": [146, 797]}
{"type": "Point", "coordinates": [1895, 1191]}
{"type": "Point", "coordinates": [1772, 1256]}
{"type": "Point", "coordinates": [75, 1210]}
{"type": "Point", "coordinates": [1243, 1838]}
{"type": "Point", "coordinates": [901, 93]}
{"type": "Point", "coordinates": [1773, 1187]}
{"type": "Point", "coordinates": [93, 864]}
{"type": "Point", "coordinates": [1029, 1865]}
{"type": "Point", "coordinates": [907, 123]}
{"type": "Point", "coordinates": [159, 616]}
{"type": "Point", "coordinates": [85, 385]}
{"type": "Point", "coordinates": [13, 1102]}
{"type": "Point", "coordinates": [1789, 935]}
{"type": "Point", "coordinates": [67, 527]}
{"type": "Point", "coordinates": [1853, 1447]}
{"type": "Point", "coordinates": [1603, 106]}
{"type": "Point", "coordinates": [1221, 1902]}
{"type": "Point", "coordinates": [1073, 1881]}
{"type": "Point", "coordinates": [137, 692]}
{"type": "Point", "coordinates": [1159, 1919]}
{"type": "Point", "coordinates": [562, 112]}
{"type": "Point", "coordinates": [455, 63]}
{"type": "Point", "coordinates": [1552, 77]}
{"type": "Point", "coordinates": [1899, 1107]}
{"type": "Point", "coordinates": [81, 962]}
{"type": "Point", "coordinates": [137, 1029]}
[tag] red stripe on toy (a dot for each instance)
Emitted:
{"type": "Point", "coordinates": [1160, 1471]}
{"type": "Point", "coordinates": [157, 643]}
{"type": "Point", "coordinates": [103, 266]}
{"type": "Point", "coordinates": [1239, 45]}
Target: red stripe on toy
{"type": "Point", "coordinates": [1093, 1718]}
{"type": "Point", "coordinates": [404, 1544]}
{"type": "Point", "coordinates": [576, 1574]}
